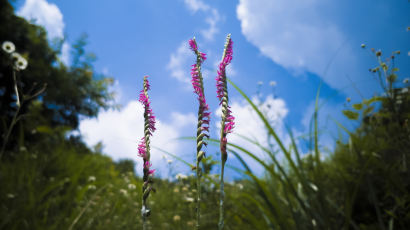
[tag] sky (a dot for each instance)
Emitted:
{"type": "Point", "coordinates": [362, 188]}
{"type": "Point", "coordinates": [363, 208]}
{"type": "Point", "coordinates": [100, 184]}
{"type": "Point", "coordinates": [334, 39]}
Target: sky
{"type": "Point", "coordinates": [282, 51]}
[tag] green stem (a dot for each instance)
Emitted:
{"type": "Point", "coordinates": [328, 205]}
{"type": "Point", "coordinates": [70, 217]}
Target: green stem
{"type": "Point", "coordinates": [221, 199]}
{"type": "Point", "coordinates": [14, 119]}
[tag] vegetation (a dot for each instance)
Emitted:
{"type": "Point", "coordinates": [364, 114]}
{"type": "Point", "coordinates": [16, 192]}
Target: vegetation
{"type": "Point", "coordinates": [51, 180]}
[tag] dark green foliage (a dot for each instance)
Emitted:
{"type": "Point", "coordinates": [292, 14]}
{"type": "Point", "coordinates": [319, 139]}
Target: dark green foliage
{"type": "Point", "coordinates": [71, 91]}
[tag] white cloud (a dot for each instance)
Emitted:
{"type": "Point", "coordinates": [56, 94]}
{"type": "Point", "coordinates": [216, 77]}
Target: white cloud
{"type": "Point", "coordinates": [121, 131]}
{"type": "Point", "coordinates": [299, 35]}
{"type": "Point", "coordinates": [179, 63]}
{"type": "Point", "coordinates": [248, 124]}
{"type": "Point", "coordinates": [65, 53]}
{"type": "Point", "coordinates": [211, 19]}
{"type": "Point", "coordinates": [45, 14]}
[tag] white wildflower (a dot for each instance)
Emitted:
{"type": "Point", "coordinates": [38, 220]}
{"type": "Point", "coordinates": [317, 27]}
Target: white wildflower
{"type": "Point", "coordinates": [131, 186]}
{"type": "Point", "coordinates": [8, 47]}
{"type": "Point", "coordinates": [189, 199]}
{"type": "Point", "coordinates": [314, 187]}
{"type": "Point", "coordinates": [124, 192]}
{"type": "Point", "coordinates": [91, 178]}
{"type": "Point", "coordinates": [10, 196]}
{"type": "Point", "coordinates": [92, 187]}
{"type": "Point", "coordinates": [406, 80]}
{"type": "Point", "coordinates": [404, 90]}
{"type": "Point", "coordinates": [181, 176]}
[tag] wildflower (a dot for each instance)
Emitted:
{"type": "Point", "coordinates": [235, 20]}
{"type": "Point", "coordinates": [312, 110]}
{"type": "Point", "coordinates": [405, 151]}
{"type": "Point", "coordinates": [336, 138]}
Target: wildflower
{"type": "Point", "coordinates": [176, 218]}
{"type": "Point", "coordinates": [181, 176]}
{"type": "Point", "coordinates": [176, 190]}
{"type": "Point", "coordinates": [10, 196]}
{"type": "Point", "coordinates": [91, 178]}
{"type": "Point", "coordinates": [272, 83]}
{"type": "Point", "coordinates": [21, 63]}
{"type": "Point", "coordinates": [314, 187]}
{"type": "Point", "coordinates": [169, 161]}
{"type": "Point", "coordinates": [92, 187]}
{"type": "Point", "coordinates": [144, 148]}
{"type": "Point", "coordinates": [348, 99]}
{"type": "Point", "coordinates": [131, 186]}
{"type": "Point", "coordinates": [203, 111]}
{"type": "Point", "coordinates": [8, 47]}
{"type": "Point", "coordinates": [189, 199]}
{"type": "Point", "coordinates": [363, 46]}
{"type": "Point", "coordinates": [124, 192]}
{"type": "Point", "coordinates": [406, 80]}
{"type": "Point", "coordinates": [404, 90]}
{"type": "Point", "coordinates": [190, 223]}
{"type": "Point", "coordinates": [227, 123]}
{"type": "Point", "coordinates": [204, 116]}
{"type": "Point", "coordinates": [379, 53]}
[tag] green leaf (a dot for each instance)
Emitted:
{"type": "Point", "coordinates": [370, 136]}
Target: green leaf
{"type": "Point", "coordinates": [368, 110]}
{"type": "Point", "coordinates": [371, 100]}
{"type": "Point", "coordinates": [358, 106]}
{"type": "Point", "coordinates": [350, 114]}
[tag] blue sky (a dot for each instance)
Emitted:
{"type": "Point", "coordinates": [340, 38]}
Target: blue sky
{"type": "Point", "coordinates": [287, 42]}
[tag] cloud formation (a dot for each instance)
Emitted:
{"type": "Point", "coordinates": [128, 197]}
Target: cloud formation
{"type": "Point", "coordinates": [299, 36]}
{"type": "Point", "coordinates": [179, 63]}
{"type": "Point", "coordinates": [211, 19]}
{"type": "Point", "coordinates": [248, 124]}
{"type": "Point", "coordinates": [45, 14]}
{"type": "Point", "coordinates": [121, 131]}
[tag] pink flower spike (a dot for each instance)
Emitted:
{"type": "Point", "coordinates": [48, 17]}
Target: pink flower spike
{"type": "Point", "coordinates": [192, 45]}
{"type": "Point", "coordinates": [151, 172]}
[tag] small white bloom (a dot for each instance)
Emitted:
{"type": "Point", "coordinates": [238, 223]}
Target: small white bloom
{"type": "Point", "coordinates": [272, 83]}
{"type": "Point", "coordinates": [10, 196]}
{"type": "Point", "coordinates": [240, 186]}
{"type": "Point", "coordinates": [406, 80]}
{"type": "Point", "coordinates": [131, 186]}
{"type": "Point", "coordinates": [124, 192]}
{"type": "Point", "coordinates": [181, 176]}
{"type": "Point", "coordinates": [20, 62]}
{"type": "Point", "coordinates": [8, 47]}
{"type": "Point", "coordinates": [314, 187]}
{"type": "Point", "coordinates": [404, 90]}
{"type": "Point", "coordinates": [314, 222]}
{"type": "Point", "coordinates": [189, 199]}
{"type": "Point", "coordinates": [169, 161]}
{"type": "Point", "coordinates": [92, 187]}
{"type": "Point", "coordinates": [91, 178]}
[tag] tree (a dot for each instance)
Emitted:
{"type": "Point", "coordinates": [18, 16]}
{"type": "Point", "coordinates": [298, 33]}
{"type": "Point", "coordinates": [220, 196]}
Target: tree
{"type": "Point", "coordinates": [72, 92]}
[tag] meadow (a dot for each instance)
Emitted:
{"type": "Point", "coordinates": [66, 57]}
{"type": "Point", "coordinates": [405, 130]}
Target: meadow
{"type": "Point", "coordinates": [50, 179]}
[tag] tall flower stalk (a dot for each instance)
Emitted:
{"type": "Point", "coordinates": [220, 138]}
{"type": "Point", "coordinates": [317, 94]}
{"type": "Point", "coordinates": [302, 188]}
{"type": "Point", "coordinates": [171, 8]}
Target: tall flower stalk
{"type": "Point", "coordinates": [203, 120]}
{"type": "Point", "coordinates": [227, 120]}
{"type": "Point", "coordinates": [144, 151]}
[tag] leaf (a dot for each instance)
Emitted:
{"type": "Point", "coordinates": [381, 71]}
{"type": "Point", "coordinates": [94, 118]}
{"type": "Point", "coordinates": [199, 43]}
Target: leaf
{"type": "Point", "coordinates": [350, 114]}
{"type": "Point", "coordinates": [371, 100]}
{"type": "Point", "coordinates": [358, 106]}
{"type": "Point", "coordinates": [368, 110]}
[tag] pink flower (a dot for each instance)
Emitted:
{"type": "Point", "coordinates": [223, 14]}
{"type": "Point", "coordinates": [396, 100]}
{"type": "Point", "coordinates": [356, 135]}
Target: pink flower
{"type": "Point", "coordinates": [222, 94]}
{"type": "Point", "coordinates": [221, 78]}
{"type": "Point", "coordinates": [142, 151]}
{"type": "Point", "coordinates": [204, 115]}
